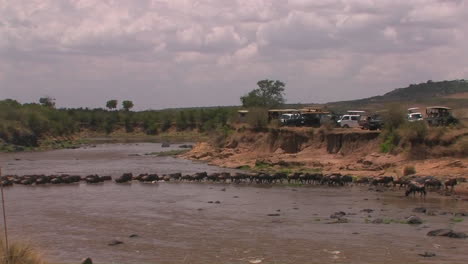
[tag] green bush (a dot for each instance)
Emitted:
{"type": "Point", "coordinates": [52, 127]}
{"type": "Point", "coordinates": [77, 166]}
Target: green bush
{"type": "Point", "coordinates": [257, 118]}
{"type": "Point", "coordinates": [152, 129]}
{"type": "Point", "coordinates": [409, 170]}
{"type": "Point", "coordinates": [390, 141]}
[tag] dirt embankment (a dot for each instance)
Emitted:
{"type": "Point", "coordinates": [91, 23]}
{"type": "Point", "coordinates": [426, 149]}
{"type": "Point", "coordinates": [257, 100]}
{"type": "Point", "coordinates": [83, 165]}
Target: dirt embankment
{"type": "Point", "coordinates": [352, 151]}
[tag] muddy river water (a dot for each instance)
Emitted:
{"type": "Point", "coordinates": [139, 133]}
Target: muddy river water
{"type": "Point", "coordinates": [181, 223]}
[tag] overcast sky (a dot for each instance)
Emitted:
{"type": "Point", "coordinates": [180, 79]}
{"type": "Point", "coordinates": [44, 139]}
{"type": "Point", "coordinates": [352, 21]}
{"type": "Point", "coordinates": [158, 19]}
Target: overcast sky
{"type": "Point", "coordinates": [175, 53]}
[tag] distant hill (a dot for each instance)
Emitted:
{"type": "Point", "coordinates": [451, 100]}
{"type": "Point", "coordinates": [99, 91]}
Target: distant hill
{"type": "Point", "coordinates": [428, 93]}
{"type": "Point", "coordinates": [427, 90]}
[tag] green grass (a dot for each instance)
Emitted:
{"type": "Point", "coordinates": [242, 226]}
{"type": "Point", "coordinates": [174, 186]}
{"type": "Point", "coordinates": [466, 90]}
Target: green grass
{"type": "Point", "coordinates": [169, 153]}
{"type": "Point", "coordinates": [244, 167]}
{"type": "Point", "coordinates": [386, 221]}
{"type": "Point", "coordinates": [457, 219]}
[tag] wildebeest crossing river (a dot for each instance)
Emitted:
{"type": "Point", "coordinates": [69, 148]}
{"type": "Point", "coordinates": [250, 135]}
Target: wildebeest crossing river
{"type": "Point", "coordinates": [179, 222]}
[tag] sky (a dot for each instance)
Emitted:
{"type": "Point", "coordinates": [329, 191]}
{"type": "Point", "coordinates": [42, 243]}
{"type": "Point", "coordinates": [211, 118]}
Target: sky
{"type": "Point", "coordinates": [185, 53]}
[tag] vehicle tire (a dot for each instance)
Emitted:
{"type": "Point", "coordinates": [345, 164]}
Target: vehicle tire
{"type": "Point", "coordinates": [345, 126]}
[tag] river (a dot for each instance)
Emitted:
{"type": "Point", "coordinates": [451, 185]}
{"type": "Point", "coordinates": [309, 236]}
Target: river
{"type": "Point", "coordinates": [181, 223]}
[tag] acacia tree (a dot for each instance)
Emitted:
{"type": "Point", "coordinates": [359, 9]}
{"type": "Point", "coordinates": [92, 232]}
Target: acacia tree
{"type": "Point", "coordinates": [47, 101]}
{"type": "Point", "coordinates": [127, 105]}
{"type": "Point", "coordinates": [111, 104]}
{"type": "Point", "coordinates": [268, 94]}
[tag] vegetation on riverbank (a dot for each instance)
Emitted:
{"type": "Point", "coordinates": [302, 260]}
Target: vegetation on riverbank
{"type": "Point", "coordinates": [169, 153]}
{"type": "Point", "coordinates": [19, 253]}
{"type": "Point", "coordinates": [36, 126]}
{"type": "Point", "coordinates": [40, 125]}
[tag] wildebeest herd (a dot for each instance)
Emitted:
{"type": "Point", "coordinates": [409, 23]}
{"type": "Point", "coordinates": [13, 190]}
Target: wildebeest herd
{"type": "Point", "coordinates": [412, 184]}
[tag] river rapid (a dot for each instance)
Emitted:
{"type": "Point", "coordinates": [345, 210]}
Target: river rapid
{"type": "Point", "coordinates": [214, 223]}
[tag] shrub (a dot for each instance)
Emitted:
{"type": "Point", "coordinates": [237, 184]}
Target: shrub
{"type": "Point", "coordinates": [19, 253]}
{"type": "Point", "coordinates": [409, 170]}
{"type": "Point", "coordinates": [390, 142]}
{"type": "Point", "coordinates": [258, 118]}
{"type": "Point", "coordinates": [394, 118]}
{"type": "Point", "coordinates": [152, 129]}
{"type": "Point", "coordinates": [413, 133]}
{"type": "Point", "coordinates": [221, 135]}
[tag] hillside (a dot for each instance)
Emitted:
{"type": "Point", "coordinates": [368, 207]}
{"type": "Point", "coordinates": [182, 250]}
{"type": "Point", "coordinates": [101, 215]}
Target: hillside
{"type": "Point", "coordinates": [423, 94]}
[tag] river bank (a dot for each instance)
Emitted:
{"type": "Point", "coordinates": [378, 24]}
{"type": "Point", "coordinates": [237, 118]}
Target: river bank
{"type": "Point", "coordinates": [86, 138]}
{"type": "Point", "coordinates": [353, 152]}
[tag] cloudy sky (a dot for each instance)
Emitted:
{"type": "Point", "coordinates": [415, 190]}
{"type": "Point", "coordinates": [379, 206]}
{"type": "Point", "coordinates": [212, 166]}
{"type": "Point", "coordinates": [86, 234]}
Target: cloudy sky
{"type": "Point", "coordinates": [173, 53]}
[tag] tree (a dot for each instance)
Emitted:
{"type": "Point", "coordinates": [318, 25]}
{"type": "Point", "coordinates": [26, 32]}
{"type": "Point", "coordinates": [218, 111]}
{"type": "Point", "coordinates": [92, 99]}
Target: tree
{"type": "Point", "coordinates": [47, 101]}
{"type": "Point", "coordinates": [127, 105]}
{"type": "Point", "coordinates": [111, 104]}
{"type": "Point", "coordinates": [268, 94]}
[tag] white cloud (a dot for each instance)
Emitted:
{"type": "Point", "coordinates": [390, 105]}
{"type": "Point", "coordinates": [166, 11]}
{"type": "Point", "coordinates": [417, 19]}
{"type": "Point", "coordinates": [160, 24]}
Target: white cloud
{"type": "Point", "coordinates": [183, 45]}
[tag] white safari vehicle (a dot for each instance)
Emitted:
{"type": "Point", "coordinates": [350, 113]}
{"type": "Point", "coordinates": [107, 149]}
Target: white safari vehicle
{"type": "Point", "coordinates": [414, 114]}
{"type": "Point", "coordinates": [348, 121]}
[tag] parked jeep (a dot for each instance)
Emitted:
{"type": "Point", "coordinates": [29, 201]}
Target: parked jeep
{"type": "Point", "coordinates": [348, 121]}
{"type": "Point", "coordinates": [291, 120]}
{"type": "Point", "coordinates": [440, 116]}
{"type": "Point", "coordinates": [373, 122]}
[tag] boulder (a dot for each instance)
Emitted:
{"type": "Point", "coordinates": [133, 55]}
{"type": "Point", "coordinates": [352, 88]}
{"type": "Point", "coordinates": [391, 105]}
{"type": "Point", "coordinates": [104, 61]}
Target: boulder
{"type": "Point", "coordinates": [428, 254]}
{"type": "Point", "coordinates": [115, 242]}
{"type": "Point", "coordinates": [87, 261]}
{"type": "Point", "coordinates": [338, 214]}
{"type": "Point", "coordinates": [420, 210]}
{"type": "Point", "coordinates": [447, 233]}
{"type": "Point", "coordinates": [378, 221]}
{"type": "Point", "coordinates": [414, 220]}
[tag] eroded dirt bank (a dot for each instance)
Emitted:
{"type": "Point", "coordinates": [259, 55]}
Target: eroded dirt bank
{"type": "Point", "coordinates": [352, 151]}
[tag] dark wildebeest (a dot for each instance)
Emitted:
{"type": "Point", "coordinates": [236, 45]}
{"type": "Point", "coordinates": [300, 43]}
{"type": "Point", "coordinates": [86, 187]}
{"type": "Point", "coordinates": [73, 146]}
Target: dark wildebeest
{"type": "Point", "coordinates": [126, 177]}
{"type": "Point", "coordinates": [293, 177]}
{"type": "Point", "coordinates": [402, 181]}
{"type": "Point", "coordinates": [414, 187]}
{"type": "Point", "coordinates": [362, 180]}
{"type": "Point", "coordinates": [383, 180]}
{"type": "Point", "coordinates": [433, 183]}
{"type": "Point", "coordinates": [332, 179]}
{"type": "Point", "coordinates": [450, 183]}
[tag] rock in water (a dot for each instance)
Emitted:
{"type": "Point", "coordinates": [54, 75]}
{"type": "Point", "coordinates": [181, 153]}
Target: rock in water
{"type": "Point", "coordinates": [133, 235]}
{"type": "Point", "coordinates": [165, 145]}
{"type": "Point", "coordinates": [447, 233]}
{"type": "Point", "coordinates": [428, 254]}
{"type": "Point", "coordinates": [420, 210]}
{"type": "Point", "coordinates": [87, 261]}
{"type": "Point", "coordinates": [414, 220]}
{"type": "Point", "coordinates": [115, 242]}
{"type": "Point", "coordinates": [338, 214]}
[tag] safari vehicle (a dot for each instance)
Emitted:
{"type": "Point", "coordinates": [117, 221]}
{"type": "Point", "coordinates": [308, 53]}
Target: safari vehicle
{"type": "Point", "coordinates": [291, 120]}
{"type": "Point", "coordinates": [372, 122]}
{"type": "Point", "coordinates": [414, 114]}
{"type": "Point", "coordinates": [440, 116]}
{"type": "Point", "coordinates": [314, 117]}
{"type": "Point", "coordinates": [348, 121]}
{"type": "Point", "coordinates": [356, 112]}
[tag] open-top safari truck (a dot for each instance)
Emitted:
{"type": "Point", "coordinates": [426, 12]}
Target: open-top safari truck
{"type": "Point", "coordinates": [440, 116]}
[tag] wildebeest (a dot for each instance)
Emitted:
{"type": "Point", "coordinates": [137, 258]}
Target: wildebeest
{"type": "Point", "coordinates": [332, 179]}
{"type": "Point", "coordinates": [433, 183]}
{"type": "Point", "coordinates": [415, 187]}
{"type": "Point", "coordinates": [450, 183]}
{"type": "Point", "coordinates": [383, 180]}
{"type": "Point", "coordinates": [126, 177]}
{"type": "Point", "coordinates": [362, 180]}
{"type": "Point", "coordinates": [402, 181]}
